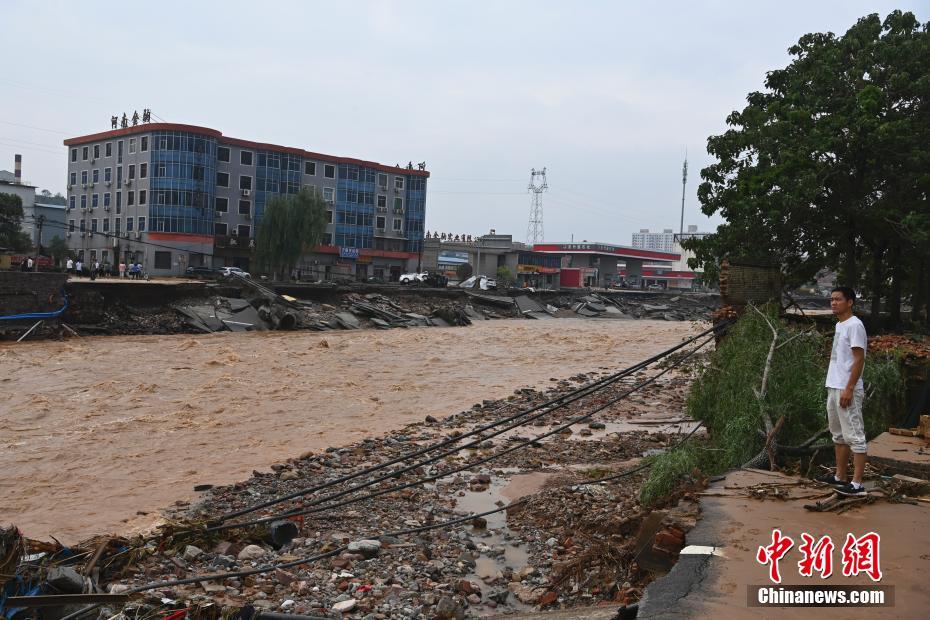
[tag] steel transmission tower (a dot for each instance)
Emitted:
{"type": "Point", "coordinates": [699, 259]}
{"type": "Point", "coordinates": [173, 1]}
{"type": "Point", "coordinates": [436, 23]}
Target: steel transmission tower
{"type": "Point", "coordinates": [534, 230]}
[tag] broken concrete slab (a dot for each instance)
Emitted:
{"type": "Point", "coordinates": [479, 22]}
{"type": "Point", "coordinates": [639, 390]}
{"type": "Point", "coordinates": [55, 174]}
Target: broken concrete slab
{"type": "Point", "coordinates": [347, 320]}
{"type": "Point", "coordinates": [528, 304]}
{"type": "Point", "coordinates": [901, 455]}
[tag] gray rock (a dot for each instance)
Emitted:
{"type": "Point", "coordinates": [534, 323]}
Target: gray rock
{"type": "Point", "coordinates": [445, 609]}
{"type": "Point", "coordinates": [66, 580]}
{"type": "Point", "coordinates": [252, 552]}
{"type": "Point", "coordinates": [368, 548]}
{"type": "Point", "coordinates": [598, 426]}
{"type": "Point", "coordinates": [192, 553]}
{"type": "Point", "coordinates": [499, 596]}
{"type": "Point", "coordinates": [345, 606]}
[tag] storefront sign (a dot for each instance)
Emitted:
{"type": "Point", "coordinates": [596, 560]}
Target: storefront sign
{"type": "Point", "coordinates": [348, 252]}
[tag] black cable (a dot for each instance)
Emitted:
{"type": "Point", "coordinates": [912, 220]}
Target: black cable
{"type": "Point", "coordinates": [307, 507]}
{"type": "Point", "coordinates": [573, 395]}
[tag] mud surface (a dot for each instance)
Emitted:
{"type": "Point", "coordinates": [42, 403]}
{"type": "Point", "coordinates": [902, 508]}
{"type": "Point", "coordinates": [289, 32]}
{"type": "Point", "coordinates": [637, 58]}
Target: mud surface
{"type": "Point", "coordinates": [97, 430]}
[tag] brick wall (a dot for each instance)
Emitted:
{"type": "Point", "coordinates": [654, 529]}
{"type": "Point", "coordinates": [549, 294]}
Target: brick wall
{"type": "Point", "coordinates": [741, 283]}
{"type": "Point", "coordinates": [22, 292]}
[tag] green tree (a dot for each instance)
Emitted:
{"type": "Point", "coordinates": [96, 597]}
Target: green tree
{"type": "Point", "coordinates": [464, 271]}
{"type": "Point", "coordinates": [45, 197]}
{"type": "Point", "coordinates": [289, 226]}
{"type": "Point", "coordinates": [504, 275]}
{"type": "Point", "coordinates": [58, 249]}
{"type": "Point", "coordinates": [11, 220]}
{"type": "Point", "coordinates": [823, 166]}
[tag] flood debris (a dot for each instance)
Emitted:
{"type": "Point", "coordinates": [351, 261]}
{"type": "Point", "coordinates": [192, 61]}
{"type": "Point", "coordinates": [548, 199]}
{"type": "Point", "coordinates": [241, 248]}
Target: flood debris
{"type": "Point", "coordinates": [556, 536]}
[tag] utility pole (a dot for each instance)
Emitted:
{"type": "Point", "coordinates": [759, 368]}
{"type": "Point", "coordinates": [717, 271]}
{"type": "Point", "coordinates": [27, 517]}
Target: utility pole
{"type": "Point", "coordinates": [684, 182]}
{"type": "Point", "coordinates": [534, 229]}
{"type": "Point", "coordinates": [40, 221]}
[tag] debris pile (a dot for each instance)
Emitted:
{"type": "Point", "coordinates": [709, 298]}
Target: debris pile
{"type": "Point", "coordinates": [566, 540]}
{"type": "Point", "coordinates": [684, 307]}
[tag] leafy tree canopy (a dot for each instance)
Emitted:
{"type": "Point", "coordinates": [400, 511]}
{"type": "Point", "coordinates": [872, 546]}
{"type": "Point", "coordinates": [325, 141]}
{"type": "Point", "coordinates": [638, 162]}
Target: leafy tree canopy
{"type": "Point", "coordinates": [289, 226]}
{"type": "Point", "coordinates": [829, 165]}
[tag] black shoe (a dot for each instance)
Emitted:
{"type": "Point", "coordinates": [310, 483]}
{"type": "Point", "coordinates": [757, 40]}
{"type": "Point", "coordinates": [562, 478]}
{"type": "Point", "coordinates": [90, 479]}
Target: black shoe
{"type": "Point", "coordinates": [850, 490]}
{"type": "Point", "coordinates": [831, 480]}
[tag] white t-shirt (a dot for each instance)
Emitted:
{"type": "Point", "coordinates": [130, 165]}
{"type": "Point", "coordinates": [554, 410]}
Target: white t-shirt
{"type": "Point", "coordinates": [849, 334]}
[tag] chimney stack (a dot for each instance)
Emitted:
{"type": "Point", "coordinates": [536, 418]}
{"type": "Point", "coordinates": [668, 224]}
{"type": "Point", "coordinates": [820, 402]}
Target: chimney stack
{"type": "Point", "coordinates": [19, 168]}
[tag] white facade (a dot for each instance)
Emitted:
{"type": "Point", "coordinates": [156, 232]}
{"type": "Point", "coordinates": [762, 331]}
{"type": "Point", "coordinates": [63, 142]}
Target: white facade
{"type": "Point", "coordinates": [656, 241]}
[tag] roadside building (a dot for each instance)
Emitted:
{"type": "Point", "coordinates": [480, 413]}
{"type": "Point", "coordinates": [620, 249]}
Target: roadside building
{"type": "Point", "coordinates": [599, 265]}
{"type": "Point", "coordinates": [173, 196]}
{"type": "Point", "coordinates": [487, 254]}
{"type": "Point", "coordinates": [37, 216]}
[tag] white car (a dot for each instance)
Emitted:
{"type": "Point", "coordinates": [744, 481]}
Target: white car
{"type": "Point", "coordinates": [411, 278]}
{"type": "Point", "coordinates": [234, 271]}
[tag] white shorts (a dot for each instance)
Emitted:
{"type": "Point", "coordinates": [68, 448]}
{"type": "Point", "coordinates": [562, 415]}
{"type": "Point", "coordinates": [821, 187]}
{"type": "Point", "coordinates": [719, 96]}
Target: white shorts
{"type": "Point", "coordinates": [846, 425]}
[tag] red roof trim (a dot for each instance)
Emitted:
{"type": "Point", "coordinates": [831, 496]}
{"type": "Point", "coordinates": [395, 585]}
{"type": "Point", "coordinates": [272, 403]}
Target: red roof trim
{"type": "Point", "coordinates": [182, 237]}
{"type": "Point", "coordinates": [213, 133]}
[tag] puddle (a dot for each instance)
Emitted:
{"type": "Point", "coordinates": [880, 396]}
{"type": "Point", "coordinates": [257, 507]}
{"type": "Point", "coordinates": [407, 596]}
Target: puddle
{"type": "Point", "coordinates": [499, 547]}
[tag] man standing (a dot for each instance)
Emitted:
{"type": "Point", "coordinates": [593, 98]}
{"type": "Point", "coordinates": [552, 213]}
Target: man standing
{"type": "Point", "coordinates": [845, 393]}
{"type": "Point", "coordinates": [70, 266]}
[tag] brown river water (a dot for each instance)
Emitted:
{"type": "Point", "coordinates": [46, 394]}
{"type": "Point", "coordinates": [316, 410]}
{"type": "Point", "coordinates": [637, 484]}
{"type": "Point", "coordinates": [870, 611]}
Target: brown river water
{"type": "Point", "coordinates": [95, 430]}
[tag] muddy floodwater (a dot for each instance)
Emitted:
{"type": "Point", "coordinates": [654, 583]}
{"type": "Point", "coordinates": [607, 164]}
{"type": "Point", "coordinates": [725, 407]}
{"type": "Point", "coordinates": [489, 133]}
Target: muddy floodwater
{"type": "Point", "coordinates": [95, 431]}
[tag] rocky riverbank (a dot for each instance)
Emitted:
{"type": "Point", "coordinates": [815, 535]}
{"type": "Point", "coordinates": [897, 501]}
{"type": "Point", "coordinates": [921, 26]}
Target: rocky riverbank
{"type": "Point", "coordinates": [568, 540]}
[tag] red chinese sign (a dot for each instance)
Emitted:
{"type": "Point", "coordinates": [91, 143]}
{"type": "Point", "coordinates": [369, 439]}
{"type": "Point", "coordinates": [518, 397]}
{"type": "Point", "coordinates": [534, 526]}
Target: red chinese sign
{"type": "Point", "coordinates": [859, 555]}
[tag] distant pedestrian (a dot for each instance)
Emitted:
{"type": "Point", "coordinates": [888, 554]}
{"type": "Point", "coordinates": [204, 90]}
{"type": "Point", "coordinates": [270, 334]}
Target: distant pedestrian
{"type": "Point", "coordinates": [78, 268]}
{"type": "Point", "coordinates": [24, 266]}
{"type": "Point", "coordinates": [29, 263]}
{"type": "Point", "coordinates": [69, 266]}
{"type": "Point", "coordinates": [122, 269]}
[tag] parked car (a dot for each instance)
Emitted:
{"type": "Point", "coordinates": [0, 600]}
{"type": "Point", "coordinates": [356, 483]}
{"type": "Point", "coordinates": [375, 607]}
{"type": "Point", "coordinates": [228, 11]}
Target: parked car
{"type": "Point", "coordinates": [201, 272]}
{"type": "Point", "coordinates": [412, 278]}
{"type": "Point", "coordinates": [234, 271]}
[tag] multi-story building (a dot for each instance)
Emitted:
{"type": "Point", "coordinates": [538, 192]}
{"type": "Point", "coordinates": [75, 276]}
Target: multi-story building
{"type": "Point", "coordinates": [172, 196]}
{"type": "Point", "coordinates": [656, 241]}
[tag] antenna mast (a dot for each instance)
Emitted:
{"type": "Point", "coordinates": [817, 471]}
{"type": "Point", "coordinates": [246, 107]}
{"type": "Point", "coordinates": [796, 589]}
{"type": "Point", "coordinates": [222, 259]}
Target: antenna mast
{"type": "Point", "coordinates": [684, 182]}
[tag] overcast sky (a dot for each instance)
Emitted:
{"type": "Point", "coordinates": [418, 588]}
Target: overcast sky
{"type": "Point", "coordinates": [606, 95]}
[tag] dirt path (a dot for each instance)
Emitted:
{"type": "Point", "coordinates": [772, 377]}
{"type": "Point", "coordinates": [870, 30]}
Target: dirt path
{"type": "Point", "coordinates": [96, 429]}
